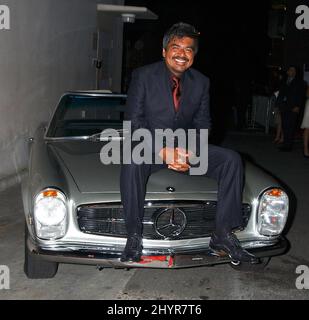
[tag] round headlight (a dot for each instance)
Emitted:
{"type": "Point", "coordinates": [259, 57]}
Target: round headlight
{"type": "Point", "coordinates": [273, 212]}
{"type": "Point", "coordinates": [50, 212]}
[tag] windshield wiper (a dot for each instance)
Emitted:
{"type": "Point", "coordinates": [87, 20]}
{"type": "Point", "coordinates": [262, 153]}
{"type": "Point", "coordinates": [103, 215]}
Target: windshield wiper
{"type": "Point", "coordinates": [69, 138]}
{"type": "Point", "coordinates": [108, 136]}
{"type": "Point", "coordinates": [95, 137]}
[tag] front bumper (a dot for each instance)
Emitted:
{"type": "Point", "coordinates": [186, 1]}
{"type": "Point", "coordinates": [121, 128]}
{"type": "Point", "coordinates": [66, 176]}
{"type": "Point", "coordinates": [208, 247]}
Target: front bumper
{"type": "Point", "coordinates": [164, 259]}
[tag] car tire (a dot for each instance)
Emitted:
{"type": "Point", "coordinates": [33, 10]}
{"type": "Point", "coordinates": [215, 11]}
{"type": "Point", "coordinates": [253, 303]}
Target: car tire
{"type": "Point", "coordinates": [35, 267]}
{"type": "Point", "coordinates": [249, 267]}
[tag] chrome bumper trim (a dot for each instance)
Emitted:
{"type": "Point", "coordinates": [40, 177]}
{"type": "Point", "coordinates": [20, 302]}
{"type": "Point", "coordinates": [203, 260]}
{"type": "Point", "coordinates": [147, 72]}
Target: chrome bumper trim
{"type": "Point", "coordinates": [161, 258]}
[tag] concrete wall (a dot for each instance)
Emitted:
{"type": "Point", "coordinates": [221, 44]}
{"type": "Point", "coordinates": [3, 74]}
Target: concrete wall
{"type": "Point", "coordinates": [48, 50]}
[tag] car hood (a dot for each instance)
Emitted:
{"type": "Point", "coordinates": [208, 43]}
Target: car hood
{"type": "Point", "coordinates": [82, 160]}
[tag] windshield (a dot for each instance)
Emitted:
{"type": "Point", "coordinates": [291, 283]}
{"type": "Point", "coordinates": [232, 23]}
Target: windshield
{"type": "Point", "coordinates": [82, 115]}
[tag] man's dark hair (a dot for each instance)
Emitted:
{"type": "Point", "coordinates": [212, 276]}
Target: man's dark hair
{"type": "Point", "coordinates": [181, 30]}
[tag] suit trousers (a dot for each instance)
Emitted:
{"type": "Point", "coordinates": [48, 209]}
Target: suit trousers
{"type": "Point", "coordinates": [289, 124]}
{"type": "Point", "coordinates": [224, 165]}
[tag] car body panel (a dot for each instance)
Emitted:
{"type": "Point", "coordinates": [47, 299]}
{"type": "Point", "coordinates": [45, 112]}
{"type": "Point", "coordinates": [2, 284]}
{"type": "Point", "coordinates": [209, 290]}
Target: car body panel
{"type": "Point", "coordinates": [74, 167]}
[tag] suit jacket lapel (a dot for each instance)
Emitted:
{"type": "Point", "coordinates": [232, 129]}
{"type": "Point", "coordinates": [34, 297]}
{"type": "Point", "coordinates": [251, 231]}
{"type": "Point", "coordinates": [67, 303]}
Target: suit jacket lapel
{"type": "Point", "coordinates": [164, 86]}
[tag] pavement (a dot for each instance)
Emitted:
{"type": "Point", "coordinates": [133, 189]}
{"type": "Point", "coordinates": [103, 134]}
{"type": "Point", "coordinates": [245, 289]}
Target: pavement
{"type": "Point", "coordinates": [277, 281]}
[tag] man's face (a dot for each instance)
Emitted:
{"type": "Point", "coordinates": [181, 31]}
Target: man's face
{"type": "Point", "coordinates": [291, 72]}
{"type": "Point", "coordinates": [179, 55]}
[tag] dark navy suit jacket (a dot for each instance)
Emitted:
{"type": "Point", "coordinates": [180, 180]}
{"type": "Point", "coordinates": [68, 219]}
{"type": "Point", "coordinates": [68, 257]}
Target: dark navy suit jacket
{"type": "Point", "coordinates": [150, 102]}
{"type": "Point", "coordinates": [291, 95]}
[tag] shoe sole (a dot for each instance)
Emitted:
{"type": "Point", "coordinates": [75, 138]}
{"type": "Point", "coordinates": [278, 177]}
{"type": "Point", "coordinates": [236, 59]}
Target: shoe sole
{"type": "Point", "coordinates": [222, 251]}
{"type": "Point", "coordinates": [135, 259]}
{"type": "Point", "coordinates": [219, 253]}
{"type": "Point", "coordinates": [130, 260]}
{"type": "Point", "coordinates": [222, 254]}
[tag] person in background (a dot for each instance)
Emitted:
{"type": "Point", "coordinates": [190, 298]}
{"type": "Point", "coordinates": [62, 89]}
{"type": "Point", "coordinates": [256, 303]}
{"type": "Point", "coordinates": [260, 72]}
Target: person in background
{"type": "Point", "coordinates": [275, 84]}
{"type": "Point", "coordinates": [290, 101]}
{"type": "Point", "coordinates": [305, 126]}
{"type": "Point", "coordinates": [278, 122]}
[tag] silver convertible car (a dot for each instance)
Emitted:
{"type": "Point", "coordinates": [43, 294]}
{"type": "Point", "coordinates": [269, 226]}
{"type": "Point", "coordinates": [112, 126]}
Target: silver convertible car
{"type": "Point", "coordinates": [73, 209]}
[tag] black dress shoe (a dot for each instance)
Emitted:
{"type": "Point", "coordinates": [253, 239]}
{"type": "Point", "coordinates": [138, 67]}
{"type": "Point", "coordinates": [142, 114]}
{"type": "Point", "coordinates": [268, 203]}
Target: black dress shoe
{"type": "Point", "coordinates": [133, 249]}
{"type": "Point", "coordinates": [230, 245]}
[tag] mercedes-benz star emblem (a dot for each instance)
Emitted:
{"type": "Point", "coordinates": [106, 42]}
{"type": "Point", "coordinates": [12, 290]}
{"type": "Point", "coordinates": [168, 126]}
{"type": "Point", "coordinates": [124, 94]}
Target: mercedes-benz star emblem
{"type": "Point", "coordinates": [170, 222]}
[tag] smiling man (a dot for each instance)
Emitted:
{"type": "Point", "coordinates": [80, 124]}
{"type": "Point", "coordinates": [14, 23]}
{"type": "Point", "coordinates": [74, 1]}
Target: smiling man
{"type": "Point", "coordinates": [179, 55]}
{"type": "Point", "coordinates": [171, 95]}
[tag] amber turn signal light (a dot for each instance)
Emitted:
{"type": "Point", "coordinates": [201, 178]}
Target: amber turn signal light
{"type": "Point", "coordinates": [50, 193]}
{"type": "Point", "coordinates": [274, 192]}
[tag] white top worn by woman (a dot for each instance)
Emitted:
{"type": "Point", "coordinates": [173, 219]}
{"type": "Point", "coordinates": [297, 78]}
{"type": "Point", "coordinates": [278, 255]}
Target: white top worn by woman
{"type": "Point", "coordinates": [305, 123]}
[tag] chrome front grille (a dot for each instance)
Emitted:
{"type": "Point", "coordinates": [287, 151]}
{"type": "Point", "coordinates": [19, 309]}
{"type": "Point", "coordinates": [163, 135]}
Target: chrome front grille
{"type": "Point", "coordinates": [162, 220]}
